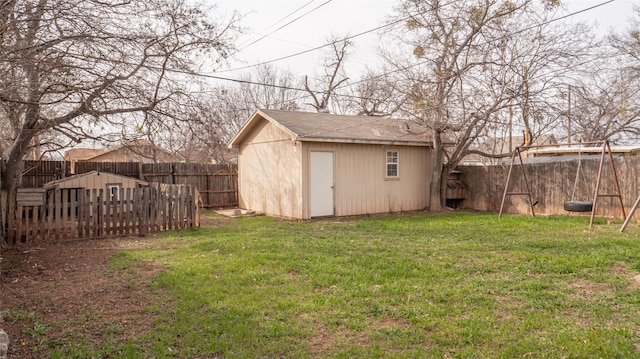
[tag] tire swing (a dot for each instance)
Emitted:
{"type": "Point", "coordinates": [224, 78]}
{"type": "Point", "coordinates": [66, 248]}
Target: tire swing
{"type": "Point", "coordinates": [578, 206]}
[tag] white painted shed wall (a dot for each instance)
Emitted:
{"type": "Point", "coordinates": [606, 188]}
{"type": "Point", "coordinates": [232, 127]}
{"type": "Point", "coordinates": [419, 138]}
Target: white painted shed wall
{"type": "Point", "coordinates": [361, 186]}
{"type": "Point", "coordinates": [270, 167]}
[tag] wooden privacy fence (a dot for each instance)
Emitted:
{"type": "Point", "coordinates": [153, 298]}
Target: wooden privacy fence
{"type": "Point", "coordinates": [552, 183]}
{"type": "Point", "coordinates": [217, 183]}
{"type": "Point", "coordinates": [79, 213]}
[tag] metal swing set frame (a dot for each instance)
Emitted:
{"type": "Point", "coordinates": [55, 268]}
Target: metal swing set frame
{"type": "Point", "coordinates": [606, 151]}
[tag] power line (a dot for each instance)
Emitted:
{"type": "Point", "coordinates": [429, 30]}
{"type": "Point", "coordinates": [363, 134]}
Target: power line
{"type": "Point", "coordinates": [493, 40]}
{"type": "Point", "coordinates": [280, 20]}
{"type": "Point", "coordinates": [251, 82]}
{"type": "Point", "coordinates": [394, 23]}
{"type": "Point", "coordinates": [222, 78]}
{"type": "Point", "coordinates": [596, 58]}
{"type": "Point", "coordinates": [417, 64]}
{"type": "Point", "coordinates": [287, 24]}
{"type": "Point", "coordinates": [317, 47]}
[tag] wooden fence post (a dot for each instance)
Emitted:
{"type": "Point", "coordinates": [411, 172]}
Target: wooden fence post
{"type": "Point", "coordinates": [11, 217]}
{"type": "Point", "coordinates": [57, 211]}
{"type": "Point", "coordinates": [100, 213]}
{"type": "Point", "coordinates": [191, 201]}
{"type": "Point", "coordinates": [4, 216]}
{"type": "Point", "coordinates": [164, 206]}
{"type": "Point", "coordinates": [80, 208]}
{"type": "Point", "coordinates": [196, 193]}
{"type": "Point", "coordinates": [64, 212]}
{"type": "Point", "coordinates": [170, 206]}
{"type": "Point", "coordinates": [49, 211]}
{"type": "Point", "coordinates": [108, 213]}
{"type": "Point", "coordinates": [127, 214]}
{"type": "Point", "coordinates": [180, 201]}
{"type": "Point", "coordinates": [146, 208]}
{"type": "Point", "coordinates": [88, 213]}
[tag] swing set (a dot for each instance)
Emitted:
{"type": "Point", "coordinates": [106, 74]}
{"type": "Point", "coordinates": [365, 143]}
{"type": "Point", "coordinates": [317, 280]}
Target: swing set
{"type": "Point", "coordinates": [571, 205]}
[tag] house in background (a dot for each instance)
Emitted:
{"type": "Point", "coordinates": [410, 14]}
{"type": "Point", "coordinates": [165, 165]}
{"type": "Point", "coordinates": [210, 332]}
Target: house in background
{"type": "Point", "coordinates": [132, 151]}
{"type": "Point", "coordinates": [578, 149]}
{"type": "Point", "coordinates": [304, 165]}
{"type": "Point", "coordinates": [217, 155]}
{"type": "Point", "coordinates": [504, 146]}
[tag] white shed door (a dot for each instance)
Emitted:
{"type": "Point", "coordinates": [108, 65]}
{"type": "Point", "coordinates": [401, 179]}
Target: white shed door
{"type": "Point", "coordinates": [321, 184]}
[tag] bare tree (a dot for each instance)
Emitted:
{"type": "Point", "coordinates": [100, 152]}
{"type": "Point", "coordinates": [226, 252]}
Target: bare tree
{"type": "Point", "coordinates": [627, 45]}
{"type": "Point", "coordinates": [332, 78]}
{"type": "Point", "coordinates": [73, 66]}
{"type": "Point", "coordinates": [221, 114]}
{"type": "Point", "coordinates": [373, 95]}
{"type": "Point", "coordinates": [546, 59]}
{"type": "Point", "coordinates": [606, 105]}
{"type": "Point", "coordinates": [606, 98]}
{"type": "Point", "coordinates": [468, 68]}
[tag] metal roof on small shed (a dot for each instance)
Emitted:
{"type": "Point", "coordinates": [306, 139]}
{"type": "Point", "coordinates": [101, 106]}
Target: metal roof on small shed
{"type": "Point", "coordinates": [52, 184]}
{"type": "Point", "coordinates": [323, 127]}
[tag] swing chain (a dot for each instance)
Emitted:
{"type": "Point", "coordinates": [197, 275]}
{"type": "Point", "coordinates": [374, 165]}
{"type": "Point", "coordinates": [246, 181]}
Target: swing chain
{"type": "Point", "coordinates": [579, 172]}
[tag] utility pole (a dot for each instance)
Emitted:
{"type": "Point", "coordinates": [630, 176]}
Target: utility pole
{"type": "Point", "coordinates": [569, 115]}
{"type": "Point", "coordinates": [525, 108]}
{"type": "Point", "coordinates": [511, 126]}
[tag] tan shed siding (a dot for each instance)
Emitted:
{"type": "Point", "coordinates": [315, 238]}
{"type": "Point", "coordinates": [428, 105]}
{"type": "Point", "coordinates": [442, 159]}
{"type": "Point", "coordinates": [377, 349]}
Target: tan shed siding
{"type": "Point", "coordinates": [270, 166]}
{"type": "Point", "coordinates": [361, 186]}
{"type": "Point", "coordinates": [97, 182]}
{"type": "Point", "coordinates": [265, 132]}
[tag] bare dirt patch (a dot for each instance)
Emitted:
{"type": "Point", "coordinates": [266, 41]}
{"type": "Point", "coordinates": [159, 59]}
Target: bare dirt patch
{"type": "Point", "coordinates": [54, 291]}
{"type": "Point", "coordinates": [391, 323]}
{"type": "Point", "coordinates": [590, 291]}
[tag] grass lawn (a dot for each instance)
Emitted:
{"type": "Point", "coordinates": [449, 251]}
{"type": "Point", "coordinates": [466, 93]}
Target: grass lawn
{"type": "Point", "coordinates": [460, 285]}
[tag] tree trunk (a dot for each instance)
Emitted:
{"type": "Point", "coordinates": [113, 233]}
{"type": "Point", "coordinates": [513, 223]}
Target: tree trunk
{"type": "Point", "coordinates": [435, 192]}
{"type": "Point", "coordinates": [12, 170]}
{"type": "Point", "coordinates": [12, 174]}
{"type": "Point", "coordinates": [444, 179]}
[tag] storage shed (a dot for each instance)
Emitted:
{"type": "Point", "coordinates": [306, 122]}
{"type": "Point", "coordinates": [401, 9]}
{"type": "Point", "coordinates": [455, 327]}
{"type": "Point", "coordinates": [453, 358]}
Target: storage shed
{"type": "Point", "coordinates": [303, 165]}
{"type": "Point", "coordinates": [109, 182]}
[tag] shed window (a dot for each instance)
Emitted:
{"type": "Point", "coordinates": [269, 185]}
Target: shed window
{"type": "Point", "coordinates": [114, 191]}
{"type": "Point", "coordinates": [392, 164]}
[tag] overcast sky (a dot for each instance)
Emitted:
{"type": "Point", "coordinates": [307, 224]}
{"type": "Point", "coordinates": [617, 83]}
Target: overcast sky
{"type": "Point", "coordinates": [325, 18]}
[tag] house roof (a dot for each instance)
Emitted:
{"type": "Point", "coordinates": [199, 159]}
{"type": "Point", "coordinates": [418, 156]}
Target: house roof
{"type": "Point", "coordinates": [555, 159]}
{"type": "Point", "coordinates": [500, 145]}
{"type": "Point", "coordinates": [83, 153]}
{"type": "Point", "coordinates": [52, 184]}
{"type": "Point", "coordinates": [87, 154]}
{"type": "Point", "coordinates": [577, 148]}
{"type": "Point", "coordinates": [323, 127]}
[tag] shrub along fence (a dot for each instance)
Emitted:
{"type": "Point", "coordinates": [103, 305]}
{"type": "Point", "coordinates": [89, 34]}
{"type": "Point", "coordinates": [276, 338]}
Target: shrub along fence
{"type": "Point", "coordinates": [80, 213]}
{"type": "Point", "coordinates": [217, 184]}
{"type": "Point", "coordinates": [552, 182]}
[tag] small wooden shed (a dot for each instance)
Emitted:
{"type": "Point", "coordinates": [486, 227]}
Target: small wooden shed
{"type": "Point", "coordinates": [303, 165]}
{"type": "Point", "coordinates": [109, 182]}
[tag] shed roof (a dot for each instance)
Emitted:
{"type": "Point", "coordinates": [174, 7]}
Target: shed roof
{"type": "Point", "coordinates": [323, 127]}
{"type": "Point", "coordinates": [52, 184]}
